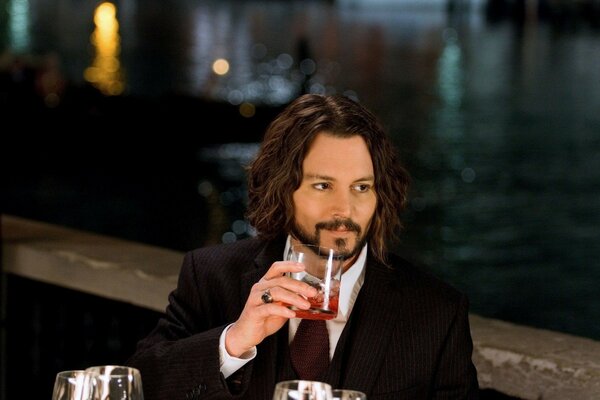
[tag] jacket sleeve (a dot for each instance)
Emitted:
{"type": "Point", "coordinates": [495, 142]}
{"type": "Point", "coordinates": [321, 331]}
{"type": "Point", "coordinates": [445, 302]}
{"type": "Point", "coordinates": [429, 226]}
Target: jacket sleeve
{"type": "Point", "coordinates": [179, 359]}
{"type": "Point", "coordinates": [456, 376]}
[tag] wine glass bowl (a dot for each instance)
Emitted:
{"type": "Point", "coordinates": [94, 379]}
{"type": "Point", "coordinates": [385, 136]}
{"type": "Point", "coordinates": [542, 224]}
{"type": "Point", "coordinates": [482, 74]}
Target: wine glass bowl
{"type": "Point", "coordinates": [302, 390]}
{"type": "Point", "coordinates": [347, 394]}
{"type": "Point", "coordinates": [113, 382]}
{"type": "Point", "coordinates": [68, 385]}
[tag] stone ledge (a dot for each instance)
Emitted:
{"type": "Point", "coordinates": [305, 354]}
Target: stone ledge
{"type": "Point", "coordinates": [112, 268]}
{"type": "Point", "coordinates": [512, 359]}
{"type": "Point", "coordinates": [534, 363]}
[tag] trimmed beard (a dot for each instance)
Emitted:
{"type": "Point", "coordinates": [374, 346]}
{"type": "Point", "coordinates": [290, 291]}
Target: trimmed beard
{"type": "Point", "coordinates": [341, 244]}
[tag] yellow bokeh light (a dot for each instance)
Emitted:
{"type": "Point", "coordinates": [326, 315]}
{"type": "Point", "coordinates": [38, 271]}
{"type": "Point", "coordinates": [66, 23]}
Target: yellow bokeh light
{"type": "Point", "coordinates": [105, 71]}
{"type": "Point", "coordinates": [105, 14]}
{"type": "Point", "coordinates": [220, 66]}
{"type": "Point", "coordinates": [247, 110]}
{"type": "Point", "coordinates": [91, 74]}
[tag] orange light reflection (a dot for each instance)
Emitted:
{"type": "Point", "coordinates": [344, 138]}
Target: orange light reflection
{"type": "Point", "coordinates": [105, 71]}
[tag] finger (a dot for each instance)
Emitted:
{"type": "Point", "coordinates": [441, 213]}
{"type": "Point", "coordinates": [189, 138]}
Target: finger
{"type": "Point", "coordinates": [281, 267]}
{"type": "Point", "coordinates": [289, 298]}
{"type": "Point", "coordinates": [290, 284]}
{"type": "Point", "coordinates": [275, 310]}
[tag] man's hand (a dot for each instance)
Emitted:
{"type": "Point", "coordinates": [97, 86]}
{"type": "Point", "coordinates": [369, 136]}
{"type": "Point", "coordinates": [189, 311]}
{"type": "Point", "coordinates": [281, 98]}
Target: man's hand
{"type": "Point", "coordinates": [259, 319]}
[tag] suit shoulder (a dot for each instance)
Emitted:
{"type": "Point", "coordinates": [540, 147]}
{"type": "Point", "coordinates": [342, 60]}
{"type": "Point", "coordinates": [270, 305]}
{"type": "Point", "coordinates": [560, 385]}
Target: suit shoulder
{"type": "Point", "coordinates": [220, 255]}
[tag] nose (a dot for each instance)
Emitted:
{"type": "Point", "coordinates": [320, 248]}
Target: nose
{"type": "Point", "coordinates": [341, 204]}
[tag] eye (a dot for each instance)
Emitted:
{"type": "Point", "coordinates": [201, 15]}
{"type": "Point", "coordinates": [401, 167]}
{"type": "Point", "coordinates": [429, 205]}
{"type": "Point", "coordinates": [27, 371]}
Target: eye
{"type": "Point", "coordinates": [322, 186]}
{"type": "Point", "coordinates": [362, 187]}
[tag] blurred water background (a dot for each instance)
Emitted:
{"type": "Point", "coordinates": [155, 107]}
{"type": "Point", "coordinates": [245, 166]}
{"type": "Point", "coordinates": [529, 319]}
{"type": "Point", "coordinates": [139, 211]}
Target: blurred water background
{"type": "Point", "coordinates": [494, 108]}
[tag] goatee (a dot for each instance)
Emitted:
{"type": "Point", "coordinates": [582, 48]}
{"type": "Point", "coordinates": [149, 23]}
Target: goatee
{"type": "Point", "coordinates": [341, 245]}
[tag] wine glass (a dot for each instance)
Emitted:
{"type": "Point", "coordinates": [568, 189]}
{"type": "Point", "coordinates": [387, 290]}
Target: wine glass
{"type": "Point", "coordinates": [68, 385]}
{"type": "Point", "coordinates": [347, 394]}
{"type": "Point", "coordinates": [302, 390]}
{"type": "Point", "coordinates": [106, 382]}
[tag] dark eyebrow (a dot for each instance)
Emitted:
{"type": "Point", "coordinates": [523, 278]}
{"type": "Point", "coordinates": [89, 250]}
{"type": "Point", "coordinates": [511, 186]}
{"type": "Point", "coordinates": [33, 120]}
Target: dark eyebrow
{"type": "Point", "coordinates": [320, 177]}
{"type": "Point", "coordinates": [369, 178]}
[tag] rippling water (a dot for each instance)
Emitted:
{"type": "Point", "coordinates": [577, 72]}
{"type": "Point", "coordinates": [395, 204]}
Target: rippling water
{"type": "Point", "coordinates": [497, 122]}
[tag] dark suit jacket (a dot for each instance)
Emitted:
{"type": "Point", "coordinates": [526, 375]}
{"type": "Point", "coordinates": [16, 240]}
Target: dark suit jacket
{"type": "Point", "coordinates": [410, 336]}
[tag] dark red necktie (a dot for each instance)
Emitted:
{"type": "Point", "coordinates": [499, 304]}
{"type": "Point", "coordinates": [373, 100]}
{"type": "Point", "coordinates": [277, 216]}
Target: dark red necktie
{"type": "Point", "coordinates": [309, 350]}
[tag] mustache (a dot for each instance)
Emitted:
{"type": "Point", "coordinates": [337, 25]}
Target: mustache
{"type": "Point", "coordinates": [347, 223]}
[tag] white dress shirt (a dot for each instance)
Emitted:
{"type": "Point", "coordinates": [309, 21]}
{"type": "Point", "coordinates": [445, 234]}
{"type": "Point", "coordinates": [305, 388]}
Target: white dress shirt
{"type": "Point", "coordinates": [352, 280]}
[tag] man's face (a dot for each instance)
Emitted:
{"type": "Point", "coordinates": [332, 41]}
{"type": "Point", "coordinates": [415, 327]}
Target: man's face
{"type": "Point", "coordinates": [336, 199]}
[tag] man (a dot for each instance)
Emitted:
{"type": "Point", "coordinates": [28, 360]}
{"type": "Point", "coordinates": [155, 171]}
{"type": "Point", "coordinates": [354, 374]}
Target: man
{"type": "Point", "coordinates": [325, 174]}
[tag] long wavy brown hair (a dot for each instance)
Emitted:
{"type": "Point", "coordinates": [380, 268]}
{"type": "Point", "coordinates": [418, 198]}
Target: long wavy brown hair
{"type": "Point", "coordinates": [276, 172]}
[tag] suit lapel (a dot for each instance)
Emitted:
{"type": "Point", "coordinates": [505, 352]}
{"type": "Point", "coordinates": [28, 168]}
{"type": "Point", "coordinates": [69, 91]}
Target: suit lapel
{"type": "Point", "coordinates": [373, 319]}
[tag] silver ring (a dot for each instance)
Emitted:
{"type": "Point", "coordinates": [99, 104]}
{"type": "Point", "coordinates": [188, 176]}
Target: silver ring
{"type": "Point", "coordinates": [266, 297]}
